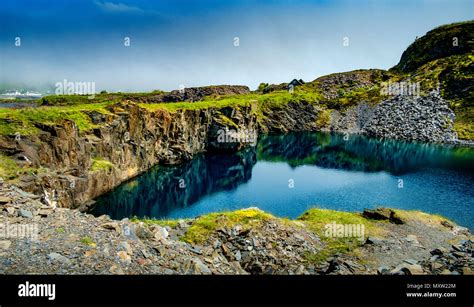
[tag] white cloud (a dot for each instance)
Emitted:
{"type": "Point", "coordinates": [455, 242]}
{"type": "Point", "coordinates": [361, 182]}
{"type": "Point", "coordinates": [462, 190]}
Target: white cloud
{"type": "Point", "coordinates": [118, 7]}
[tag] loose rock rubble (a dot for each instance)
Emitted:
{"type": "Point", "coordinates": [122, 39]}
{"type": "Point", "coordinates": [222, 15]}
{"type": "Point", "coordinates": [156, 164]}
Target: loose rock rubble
{"type": "Point", "coordinates": [425, 119]}
{"type": "Point", "coordinates": [70, 242]}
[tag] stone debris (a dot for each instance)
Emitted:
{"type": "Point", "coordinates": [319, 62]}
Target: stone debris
{"type": "Point", "coordinates": [424, 119]}
{"type": "Point", "coordinates": [71, 242]}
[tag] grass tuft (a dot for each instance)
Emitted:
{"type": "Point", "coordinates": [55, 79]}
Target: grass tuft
{"type": "Point", "coordinates": [205, 225]}
{"type": "Point", "coordinates": [101, 164]}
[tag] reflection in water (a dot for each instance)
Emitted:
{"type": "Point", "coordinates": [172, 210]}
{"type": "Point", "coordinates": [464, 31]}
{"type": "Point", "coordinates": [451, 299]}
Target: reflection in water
{"type": "Point", "coordinates": [165, 188]}
{"type": "Point", "coordinates": [344, 174]}
{"type": "Point", "coordinates": [359, 153]}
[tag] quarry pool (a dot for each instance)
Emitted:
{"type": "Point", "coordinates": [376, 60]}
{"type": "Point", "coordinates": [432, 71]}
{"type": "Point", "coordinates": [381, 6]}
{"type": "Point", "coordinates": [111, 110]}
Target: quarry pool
{"type": "Point", "coordinates": [288, 174]}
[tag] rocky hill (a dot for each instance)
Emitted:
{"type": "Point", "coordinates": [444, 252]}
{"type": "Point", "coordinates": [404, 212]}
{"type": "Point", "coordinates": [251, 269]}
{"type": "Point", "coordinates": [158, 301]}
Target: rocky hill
{"type": "Point", "coordinates": [442, 42]}
{"type": "Point", "coordinates": [441, 61]}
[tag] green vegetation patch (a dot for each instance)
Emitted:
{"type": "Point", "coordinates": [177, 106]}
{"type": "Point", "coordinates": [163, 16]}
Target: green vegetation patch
{"type": "Point", "coordinates": [102, 97]}
{"type": "Point", "coordinates": [435, 220]}
{"type": "Point", "coordinates": [452, 74]}
{"type": "Point", "coordinates": [324, 118]}
{"type": "Point", "coordinates": [205, 225]}
{"type": "Point", "coordinates": [101, 164]}
{"type": "Point", "coordinates": [224, 120]}
{"type": "Point", "coordinates": [444, 41]}
{"type": "Point", "coordinates": [160, 222]}
{"type": "Point", "coordinates": [464, 123]}
{"type": "Point", "coordinates": [88, 241]}
{"type": "Point", "coordinates": [23, 120]}
{"type": "Point", "coordinates": [8, 168]}
{"type": "Point", "coordinates": [276, 99]}
{"type": "Point", "coordinates": [371, 95]}
{"type": "Point", "coordinates": [317, 221]}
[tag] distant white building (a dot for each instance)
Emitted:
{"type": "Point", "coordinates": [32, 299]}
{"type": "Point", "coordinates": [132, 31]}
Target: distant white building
{"type": "Point", "coordinates": [17, 94]}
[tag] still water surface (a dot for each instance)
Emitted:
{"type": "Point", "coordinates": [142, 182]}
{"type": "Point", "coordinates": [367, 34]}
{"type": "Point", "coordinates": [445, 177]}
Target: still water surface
{"type": "Point", "coordinates": [288, 174]}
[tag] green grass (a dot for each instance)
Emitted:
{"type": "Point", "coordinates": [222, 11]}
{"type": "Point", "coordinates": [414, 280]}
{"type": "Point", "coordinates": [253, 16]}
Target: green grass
{"type": "Point", "coordinates": [87, 241]}
{"type": "Point", "coordinates": [160, 222]}
{"type": "Point", "coordinates": [371, 95]}
{"type": "Point", "coordinates": [224, 120]}
{"type": "Point", "coordinates": [205, 225]}
{"type": "Point", "coordinates": [60, 230]}
{"type": "Point", "coordinates": [449, 72]}
{"type": "Point", "coordinates": [23, 120]}
{"type": "Point", "coordinates": [237, 100]}
{"type": "Point", "coordinates": [421, 217]}
{"type": "Point", "coordinates": [464, 124]}
{"type": "Point", "coordinates": [101, 164]}
{"type": "Point", "coordinates": [8, 168]}
{"type": "Point", "coordinates": [440, 39]}
{"type": "Point", "coordinates": [317, 219]}
{"type": "Point", "coordinates": [324, 118]}
{"type": "Point", "coordinates": [70, 100]}
{"type": "Point", "coordinates": [276, 99]}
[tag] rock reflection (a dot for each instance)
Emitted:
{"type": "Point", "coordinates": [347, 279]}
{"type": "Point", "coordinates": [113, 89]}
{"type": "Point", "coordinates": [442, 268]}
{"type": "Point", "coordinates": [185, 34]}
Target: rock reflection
{"type": "Point", "coordinates": [359, 153]}
{"type": "Point", "coordinates": [164, 188]}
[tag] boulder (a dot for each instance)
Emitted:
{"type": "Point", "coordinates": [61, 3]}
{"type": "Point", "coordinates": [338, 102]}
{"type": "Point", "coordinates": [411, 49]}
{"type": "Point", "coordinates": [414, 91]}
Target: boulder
{"type": "Point", "coordinates": [382, 214]}
{"type": "Point", "coordinates": [5, 200]}
{"type": "Point", "coordinates": [59, 258]}
{"type": "Point", "coordinates": [111, 226]}
{"type": "Point", "coordinates": [25, 213]}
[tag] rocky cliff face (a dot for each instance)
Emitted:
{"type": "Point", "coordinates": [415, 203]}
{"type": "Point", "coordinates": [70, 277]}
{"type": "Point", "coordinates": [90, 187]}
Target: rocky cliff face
{"type": "Point", "coordinates": [80, 166]}
{"type": "Point", "coordinates": [294, 117]}
{"type": "Point", "coordinates": [76, 167]}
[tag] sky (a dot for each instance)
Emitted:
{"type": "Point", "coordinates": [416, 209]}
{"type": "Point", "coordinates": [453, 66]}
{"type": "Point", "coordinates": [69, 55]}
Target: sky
{"type": "Point", "coordinates": [188, 43]}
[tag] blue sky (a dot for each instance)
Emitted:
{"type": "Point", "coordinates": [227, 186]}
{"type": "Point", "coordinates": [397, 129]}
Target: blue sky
{"type": "Point", "coordinates": [191, 42]}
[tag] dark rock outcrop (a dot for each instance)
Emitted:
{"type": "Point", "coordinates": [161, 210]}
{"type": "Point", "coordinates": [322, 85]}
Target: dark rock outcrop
{"type": "Point", "coordinates": [331, 85]}
{"type": "Point", "coordinates": [294, 117]}
{"type": "Point", "coordinates": [382, 214]}
{"type": "Point", "coordinates": [198, 93]}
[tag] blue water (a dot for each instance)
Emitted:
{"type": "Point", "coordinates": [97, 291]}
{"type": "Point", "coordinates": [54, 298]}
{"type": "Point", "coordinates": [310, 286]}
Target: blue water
{"type": "Point", "coordinates": [288, 174]}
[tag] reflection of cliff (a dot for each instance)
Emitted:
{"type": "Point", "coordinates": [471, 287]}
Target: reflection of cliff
{"type": "Point", "coordinates": [359, 153]}
{"type": "Point", "coordinates": [161, 189]}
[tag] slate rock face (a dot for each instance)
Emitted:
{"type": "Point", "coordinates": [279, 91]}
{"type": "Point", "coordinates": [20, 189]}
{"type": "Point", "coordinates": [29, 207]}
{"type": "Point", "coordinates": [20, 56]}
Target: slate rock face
{"type": "Point", "coordinates": [198, 93]}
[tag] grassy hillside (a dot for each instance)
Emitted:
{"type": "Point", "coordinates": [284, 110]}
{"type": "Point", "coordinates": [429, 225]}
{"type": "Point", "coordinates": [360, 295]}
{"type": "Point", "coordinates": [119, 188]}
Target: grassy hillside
{"type": "Point", "coordinates": [431, 60]}
{"type": "Point", "coordinates": [441, 42]}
